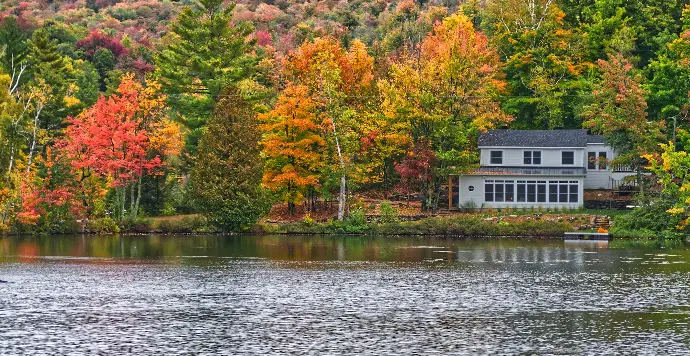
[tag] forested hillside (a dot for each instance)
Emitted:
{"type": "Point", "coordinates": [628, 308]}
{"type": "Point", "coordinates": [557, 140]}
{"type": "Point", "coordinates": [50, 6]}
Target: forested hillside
{"type": "Point", "coordinates": [113, 110]}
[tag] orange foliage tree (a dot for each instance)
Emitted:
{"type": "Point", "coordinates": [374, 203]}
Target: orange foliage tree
{"type": "Point", "coordinates": [335, 81]}
{"type": "Point", "coordinates": [292, 146]}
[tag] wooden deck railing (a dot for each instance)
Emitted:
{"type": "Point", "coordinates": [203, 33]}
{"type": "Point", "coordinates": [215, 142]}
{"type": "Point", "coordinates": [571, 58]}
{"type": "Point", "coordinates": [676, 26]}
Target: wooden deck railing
{"type": "Point", "coordinates": [622, 185]}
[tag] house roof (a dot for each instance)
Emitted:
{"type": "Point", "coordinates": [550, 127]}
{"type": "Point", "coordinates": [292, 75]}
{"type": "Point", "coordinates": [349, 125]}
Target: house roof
{"type": "Point", "coordinates": [596, 139]}
{"type": "Point", "coordinates": [538, 138]}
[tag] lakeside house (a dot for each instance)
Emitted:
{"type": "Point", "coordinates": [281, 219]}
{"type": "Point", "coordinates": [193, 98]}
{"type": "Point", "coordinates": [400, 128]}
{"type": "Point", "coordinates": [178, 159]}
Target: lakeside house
{"type": "Point", "coordinates": [536, 168]}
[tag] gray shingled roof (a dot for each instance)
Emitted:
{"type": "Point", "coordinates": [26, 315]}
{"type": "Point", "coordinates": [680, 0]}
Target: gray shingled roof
{"type": "Point", "coordinates": [535, 138]}
{"type": "Point", "coordinates": [595, 139]}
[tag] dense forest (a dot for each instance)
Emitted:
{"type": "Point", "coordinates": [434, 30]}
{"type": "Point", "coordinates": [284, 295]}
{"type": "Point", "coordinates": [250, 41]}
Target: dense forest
{"type": "Point", "coordinates": [115, 110]}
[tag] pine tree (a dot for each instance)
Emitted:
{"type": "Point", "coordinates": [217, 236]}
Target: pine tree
{"type": "Point", "coordinates": [225, 181]}
{"type": "Point", "coordinates": [207, 55]}
{"type": "Point", "coordinates": [14, 49]}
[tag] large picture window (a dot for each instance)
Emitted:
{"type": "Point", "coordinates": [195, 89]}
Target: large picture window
{"type": "Point", "coordinates": [531, 191]}
{"type": "Point", "coordinates": [532, 157]}
{"type": "Point", "coordinates": [496, 157]}
{"type": "Point", "coordinates": [564, 192]}
{"type": "Point", "coordinates": [499, 191]}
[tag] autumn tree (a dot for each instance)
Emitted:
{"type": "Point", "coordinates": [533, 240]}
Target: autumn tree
{"type": "Point", "coordinates": [48, 198]}
{"type": "Point", "coordinates": [672, 170]}
{"type": "Point", "coordinates": [619, 112]}
{"type": "Point", "coordinates": [292, 146]}
{"type": "Point", "coordinates": [225, 182]}
{"type": "Point", "coordinates": [114, 140]}
{"type": "Point", "coordinates": [206, 53]}
{"type": "Point", "coordinates": [447, 96]}
{"type": "Point", "coordinates": [335, 80]}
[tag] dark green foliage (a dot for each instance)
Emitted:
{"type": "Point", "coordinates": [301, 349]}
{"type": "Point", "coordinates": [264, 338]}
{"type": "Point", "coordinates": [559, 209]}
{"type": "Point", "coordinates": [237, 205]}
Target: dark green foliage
{"type": "Point", "coordinates": [103, 226]}
{"type": "Point", "coordinates": [206, 56]}
{"type": "Point", "coordinates": [14, 47]}
{"type": "Point", "coordinates": [88, 82]}
{"type": "Point", "coordinates": [186, 225]}
{"type": "Point", "coordinates": [104, 61]}
{"type": "Point", "coordinates": [225, 181]}
{"type": "Point", "coordinates": [461, 226]}
{"type": "Point", "coordinates": [50, 66]}
{"type": "Point", "coordinates": [650, 217]}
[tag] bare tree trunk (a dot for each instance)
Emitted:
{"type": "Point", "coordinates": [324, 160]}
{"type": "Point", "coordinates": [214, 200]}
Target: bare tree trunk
{"type": "Point", "coordinates": [136, 205]}
{"type": "Point", "coordinates": [343, 180]}
{"type": "Point", "coordinates": [11, 164]}
{"type": "Point", "coordinates": [123, 197]}
{"type": "Point", "coordinates": [34, 135]}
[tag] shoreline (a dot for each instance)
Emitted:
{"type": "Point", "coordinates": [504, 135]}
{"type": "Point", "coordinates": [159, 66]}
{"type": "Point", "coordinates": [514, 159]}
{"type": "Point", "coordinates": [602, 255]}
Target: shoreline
{"type": "Point", "coordinates": [460, 226]}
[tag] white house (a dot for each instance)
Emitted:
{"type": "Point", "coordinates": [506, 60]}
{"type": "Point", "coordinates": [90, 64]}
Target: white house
{"type": "Point", "coordinates": [536, 168]}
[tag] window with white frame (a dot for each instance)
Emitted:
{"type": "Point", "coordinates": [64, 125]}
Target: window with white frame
{"type": "Point", "coordinates": [532, 157]}
{"type": "Point", "coordinates": [531, 191]}
{"type": "Point", "coordinates": [595, 162]}
{"type": "Point", "coordinates": [499, 191]}
{"type": "Point", "coordinates": [568, 157]}
{"type": "Point", "coordinates": [496, 157]}
{"type": "Point", "coordinates": [564, 192]}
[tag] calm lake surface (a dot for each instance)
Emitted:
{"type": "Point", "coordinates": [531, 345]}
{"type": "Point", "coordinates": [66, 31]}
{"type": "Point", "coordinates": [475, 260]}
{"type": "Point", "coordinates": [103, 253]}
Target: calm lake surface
{"type": "Point", "coordinates": [329, 295]}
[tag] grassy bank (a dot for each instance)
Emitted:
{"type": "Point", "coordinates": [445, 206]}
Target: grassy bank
{"type": "Point", "coordinates": [433, 226]}
{"type": "Point", "coordinates": [462, 225]}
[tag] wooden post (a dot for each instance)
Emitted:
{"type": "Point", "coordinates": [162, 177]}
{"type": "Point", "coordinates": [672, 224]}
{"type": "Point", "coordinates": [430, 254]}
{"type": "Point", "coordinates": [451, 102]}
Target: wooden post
{"type": "Point", "coordinates": [450, 192]}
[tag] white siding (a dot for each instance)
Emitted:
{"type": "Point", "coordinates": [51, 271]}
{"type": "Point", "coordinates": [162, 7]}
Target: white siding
{"type": "Point", "coordinates": [477, 195]}
{"type": "Point", "coordinates": [550, 157]}
{"type": "Point", "coordinates": [465, 196]}
{"type": "Point", "coordinates": [601, 179]}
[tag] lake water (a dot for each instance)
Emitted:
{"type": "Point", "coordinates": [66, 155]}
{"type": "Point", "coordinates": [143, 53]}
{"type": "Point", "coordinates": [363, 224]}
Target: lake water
{"type": "Point", "coordinates": [349, 295]}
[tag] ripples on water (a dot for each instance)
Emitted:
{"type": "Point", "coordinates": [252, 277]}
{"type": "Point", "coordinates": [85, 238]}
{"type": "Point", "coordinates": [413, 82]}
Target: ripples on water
{"type": "Point", "coordinates": [301, 295]}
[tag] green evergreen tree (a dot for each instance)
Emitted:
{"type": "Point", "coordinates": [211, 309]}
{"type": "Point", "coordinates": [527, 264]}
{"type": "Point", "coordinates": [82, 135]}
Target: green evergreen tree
{"type": "Point", "coordinates": [225, 182]}
{"type": "Point", "coordinates": [207, 55]}
{"type": "Point", "coordinates": [14, 49]}
{"type": "Point", "coordinates": [55, 70]}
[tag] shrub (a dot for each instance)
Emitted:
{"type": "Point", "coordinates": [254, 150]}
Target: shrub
{"type": "Point", "coordinates": [140, 225]}
{"type": "Point", "coordinates": [104, 226]}
{"type": "Point", "coordinates": [186, 225]}
{"type": "Point", "coordinates": [355, 222]}
{"type": "Point", "coordinates": [389, 214]}
{"type": "Point", "coordinates": [651, 216]}
{"type": "Point", "coordinates": [469, 206]}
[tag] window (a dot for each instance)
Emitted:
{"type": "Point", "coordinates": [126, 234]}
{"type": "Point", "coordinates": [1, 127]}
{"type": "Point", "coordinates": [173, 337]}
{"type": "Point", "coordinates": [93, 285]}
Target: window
{"type": "Point", "coordinates": [564, 192]}
{"type": "Point", "coordinates": [591, 160]}
{"type": "Point", "coordinates": [602, 160]}
{"type": "Point", "coordinates": [573, 192]}
{"type": "Point", "coordinates": [532, 157]}
{"type": "Point", "coordinates": [499, 191]}
{"type": "Point", "coordinates": [531, 191]}
{"type": "Point", "coordinates": [596, 162]}
{"type": "Point", "coordinates": [567, 157]}
{"type": "Point", "coordinates": [496, 157]}
{"type": "Point", "coordinates": [489, 191]}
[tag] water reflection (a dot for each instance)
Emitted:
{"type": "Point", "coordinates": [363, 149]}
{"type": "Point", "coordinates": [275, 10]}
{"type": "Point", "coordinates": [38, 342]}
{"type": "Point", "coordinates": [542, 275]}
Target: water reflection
{"type": "Point", "coordinates": [339, 295]}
